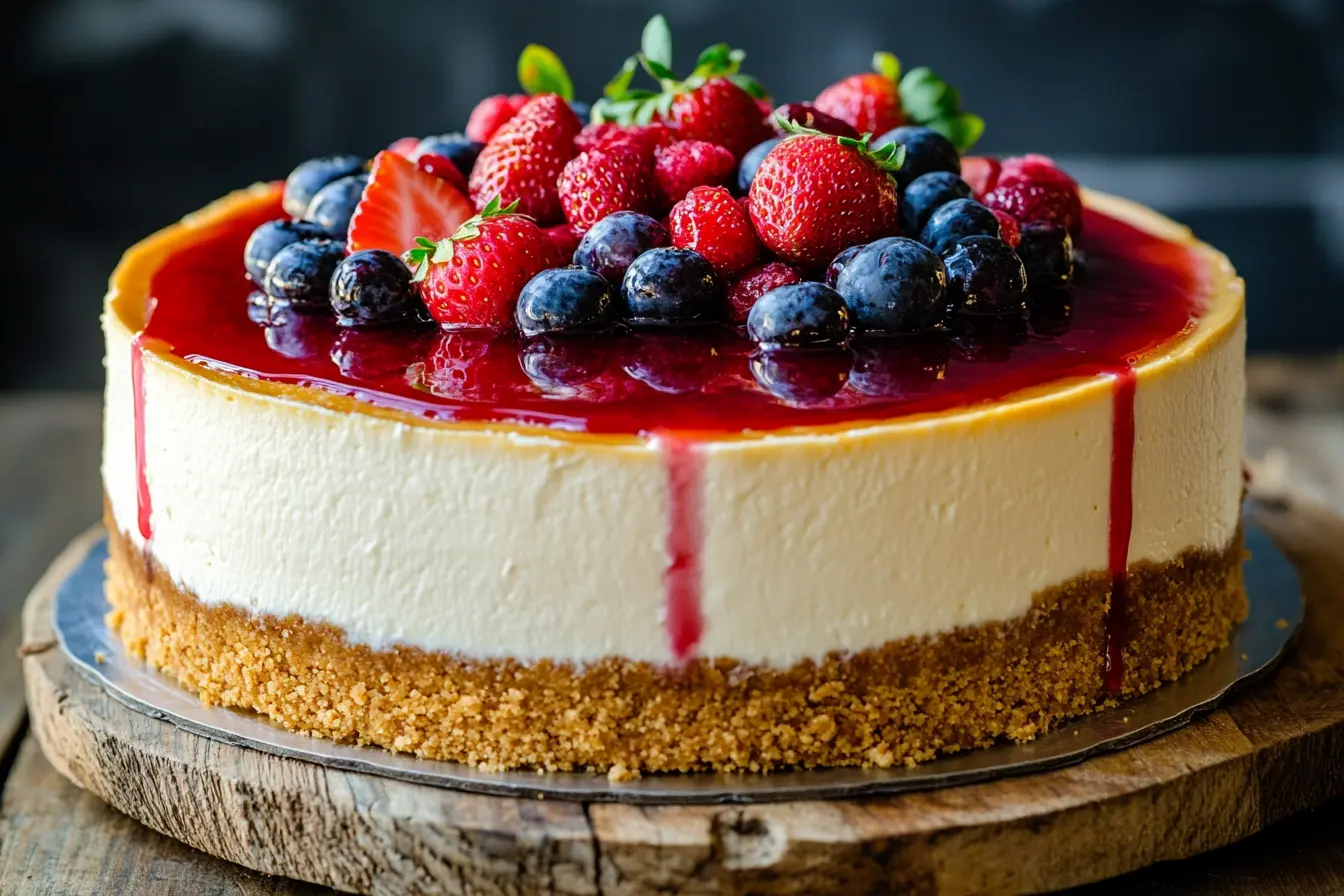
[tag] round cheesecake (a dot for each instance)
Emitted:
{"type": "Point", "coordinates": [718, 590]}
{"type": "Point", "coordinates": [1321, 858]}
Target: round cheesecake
{"type": "Point", "coordinates": [705, 560]}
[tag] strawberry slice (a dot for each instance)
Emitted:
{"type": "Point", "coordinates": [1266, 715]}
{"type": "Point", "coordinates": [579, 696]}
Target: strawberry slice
{"type": "Point", "coordinates": [401, 203]}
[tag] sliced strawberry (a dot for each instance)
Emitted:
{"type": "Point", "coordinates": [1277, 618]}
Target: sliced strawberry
{"type": "Point", "coordinates": [981, 173]}
{"type": "Point", "coordinates": [401, 203]}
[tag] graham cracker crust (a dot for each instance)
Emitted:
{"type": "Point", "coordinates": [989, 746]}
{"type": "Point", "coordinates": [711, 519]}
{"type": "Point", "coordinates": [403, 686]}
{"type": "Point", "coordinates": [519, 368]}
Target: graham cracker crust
{"type": "Point", "coordinates": [903, 702]}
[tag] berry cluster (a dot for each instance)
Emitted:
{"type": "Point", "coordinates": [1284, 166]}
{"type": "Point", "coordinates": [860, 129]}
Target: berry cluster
{"type": "Point", "coordinates": [695, 201]}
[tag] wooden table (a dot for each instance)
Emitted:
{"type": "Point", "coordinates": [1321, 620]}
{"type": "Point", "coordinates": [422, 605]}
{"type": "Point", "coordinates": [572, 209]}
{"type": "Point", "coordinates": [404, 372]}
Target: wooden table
{"type": "Point", "coordinates": [55, 838]}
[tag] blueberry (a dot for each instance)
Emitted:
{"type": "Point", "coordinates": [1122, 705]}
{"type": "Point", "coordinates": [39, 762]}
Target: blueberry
{"type": "Point", "coordinates": [799, 315]}
{"type": "Point", "coordinates": [333, 205]}
{"type": "Point", "coordinates": [566, 299]}
{"type": "Point", "coordinates": [373, 287]}
{"type": "Point", "coordinates": [746, 169]}
{"type": "Point", "coordinates": [1047, 254]}
{"type": "Point", "coordinates": [894, 285]}
{"type": "Point", "coordinates": [899, 366]}
{"type": "Point", "coordinates": [801, 378]}
{"type": "Point", "coordinates": [304, 181]}
{"type": "Point", "coordinates": [925, 150]}
{"type": "Point", "coordinates": [956, 220]}
{"type": "Point", "coordinates": [838, 264]}
{"type": "Point", "coordinates": [461, 151]}
{"type": "Point", "coordinates": [985, 276]}
{"type": "Point", "coordinates": [1049, 311]}
{"type": "Point", "coordinates": [300, 273]}
{"type": "Point", "coordinates": [270, 238]}
{"type": "Point", "coordinates": [672, 286]}
{"type": "Point", "coordinates": [618, 239]}
{"type": "Point", "coordinates": [925, 195]}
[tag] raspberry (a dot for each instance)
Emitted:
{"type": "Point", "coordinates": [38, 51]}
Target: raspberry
{"type": "Point", "coordinates": [1009, 232]}
{"type": "Point", "coordinates": [690, 163]}
{"type": "Point", "coordinates": [710, 221]}
{"type": "Point", "coordinates": [1030, 201]}
{"type": "Point", "coordinates": [756, 282]}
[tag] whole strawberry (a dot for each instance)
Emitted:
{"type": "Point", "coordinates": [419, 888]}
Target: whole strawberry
{"type": "Point", "coordinates": [756, 282]}
{"type": "Point", "coordinates": [598, 182]}
{"type": "Point", "coordinates": [492, 113]}
{"type": "Point", "coordinates": [815, 195]}
{"type": "Point", "coordinates": [719, 111]}
{"type": "Point", "coordinates": [710, 221]}
{"type": "Point", "coordinates": [473, 278]}
{"type": "Point", "coordinates": [690, 163]}
{"type": "Point", "coordinates": [870, 102]}
{"type": "Point", "coordinates": [523, 160]}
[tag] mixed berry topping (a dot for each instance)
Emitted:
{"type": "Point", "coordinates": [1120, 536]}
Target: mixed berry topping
{"type": "Point", "coordinates": [683, 226]}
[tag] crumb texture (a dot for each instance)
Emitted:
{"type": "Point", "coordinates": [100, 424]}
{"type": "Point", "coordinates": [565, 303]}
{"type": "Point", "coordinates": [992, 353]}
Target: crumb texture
{"type": "Point", "coordinates": [904, 702]}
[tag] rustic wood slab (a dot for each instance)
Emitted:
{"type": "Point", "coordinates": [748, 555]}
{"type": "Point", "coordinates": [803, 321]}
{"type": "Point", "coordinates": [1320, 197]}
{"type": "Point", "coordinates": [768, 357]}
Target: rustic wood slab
{"type": "Point", "coordinates": [1276, 750]}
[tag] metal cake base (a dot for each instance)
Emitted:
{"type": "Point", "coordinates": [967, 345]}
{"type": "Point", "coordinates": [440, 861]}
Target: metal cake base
{"type": "Point", "coordinates": [1276, 613]}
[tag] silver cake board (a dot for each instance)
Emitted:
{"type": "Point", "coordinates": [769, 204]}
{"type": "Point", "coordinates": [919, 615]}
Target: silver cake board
{"type": "Point", "coordinates": [1257, 645]}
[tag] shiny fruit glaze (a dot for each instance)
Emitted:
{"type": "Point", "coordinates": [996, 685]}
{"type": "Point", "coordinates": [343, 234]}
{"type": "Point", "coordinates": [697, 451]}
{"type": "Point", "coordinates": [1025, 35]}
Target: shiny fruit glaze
{"type": "Point", "coordinates": [1134, 293]}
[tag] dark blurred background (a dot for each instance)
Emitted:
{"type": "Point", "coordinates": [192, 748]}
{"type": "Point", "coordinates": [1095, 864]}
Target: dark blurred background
{"type": "Point", "coordinates": [126, 114]}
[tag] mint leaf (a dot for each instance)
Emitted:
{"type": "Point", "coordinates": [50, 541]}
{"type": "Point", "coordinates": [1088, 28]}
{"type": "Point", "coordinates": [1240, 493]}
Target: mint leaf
{"type": "Point", "coordinates": [541, 71]}
{"type": "Point", "coordinates": [887, 65]}
{"type": "Point", "coordinates": [656, 42]}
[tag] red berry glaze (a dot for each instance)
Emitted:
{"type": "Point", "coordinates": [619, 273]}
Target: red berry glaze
{"type": "Point", "coordinates": [525, 157]}
{"type": "Point", "coordinates": [756, 282]}
{"type": "Point", "coordinates": [490, 263]}
{"type": "Point", "coordinates": [719, 111]}
{"type": "Point", "coordinates": [403, 202]}
{"type": "Point", "coordinates": [710, 222]}
{"type": "Point", "coordinates": [492, 113]}
{"type": "Point", "coordinates": [1009, 231]}
{"type": "Point", "coordinates": [813, 197]}
{"type": "Point", "coordinates": [598, 182]}
{"type": "Point", "coordinates": [809, 116]}
{"type": "Point", "coordinates": [690, 163]}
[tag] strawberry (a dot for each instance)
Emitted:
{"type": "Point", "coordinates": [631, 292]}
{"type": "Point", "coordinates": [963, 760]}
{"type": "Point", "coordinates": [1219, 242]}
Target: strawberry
{"type": "Point", "coordinates": [870, 102]}
{"type": "Point", "coordinates": [523, 160]}
{"type": "Point", "coordinates": [593, 135]}
{"type": "Point", "coordinates": [690, 163]}
{"type": "Point", "coordinates": [402, 202]}
{"type": "Point", "coordinates": [442, 167]}
{"type": "Point", "coordinates": [981, 173]}
{"type": "Point", "coordinates": [565, 240]}
{"type": "Point", "coordinates": [473, 278]}
{"type": "Point", "coordinates": [1009, 232]}
{"type": "Point", "coordinates": [715, 104]}
{"type": "Point", "coordinates": [756, 282]}
{"type": "Point", "coordinates": [710, 221]}
{"type": "Point", "coordinates": [809, 116]}
{"type": "Point", "coordinates": [601, 181]}
{"type": "Point", "coordinates": [644, 139]}
{"type": "Point", "coordinates": [492, 113]}
{"type": "Point", "coordinates": [719, 111]}
{"type": "Point", "coordinates": [815, 195]}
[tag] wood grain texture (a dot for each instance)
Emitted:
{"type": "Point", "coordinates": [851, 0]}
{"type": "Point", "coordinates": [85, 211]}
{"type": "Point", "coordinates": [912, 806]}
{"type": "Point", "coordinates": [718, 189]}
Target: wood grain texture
{"type": "Point", "coordinates": [1276, 750]}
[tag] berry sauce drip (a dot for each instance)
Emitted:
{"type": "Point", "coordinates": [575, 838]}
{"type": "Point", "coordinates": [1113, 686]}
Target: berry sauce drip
{"type": "Point", "coordinates": [1121, 524]}
{"type": "Point", "coordinates": [685, 534]}
{"type": "Point", "coordinates": [143, 506]}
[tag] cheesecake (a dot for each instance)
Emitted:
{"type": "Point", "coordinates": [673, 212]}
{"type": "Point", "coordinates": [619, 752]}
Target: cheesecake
{"type": "Point", "coordinates": [686, 547]}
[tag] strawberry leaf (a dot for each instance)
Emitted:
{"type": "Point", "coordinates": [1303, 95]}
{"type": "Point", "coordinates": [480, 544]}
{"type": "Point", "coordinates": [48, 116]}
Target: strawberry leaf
{"type": "Point", "coordinates": [751, 86]}
{"type": "Point", "coordinates": [656, 42]}
{"type": "Point", "coordinates": [618, 85]}
{"type": "Point", "coordinates": [657, 69]}
{"type": "Point", "coordinates": [541, 71]}
{"type": "Point", "coordinates": [930, 101]}
{"type": "Point", "coordinates": [887, 65]}
{"type": "Point", "coordinates": [963, 129]}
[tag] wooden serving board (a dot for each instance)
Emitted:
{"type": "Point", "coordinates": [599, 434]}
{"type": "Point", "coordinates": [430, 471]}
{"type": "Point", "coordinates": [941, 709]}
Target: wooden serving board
{"type": "Point", "coordinates": [1272, 751]}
